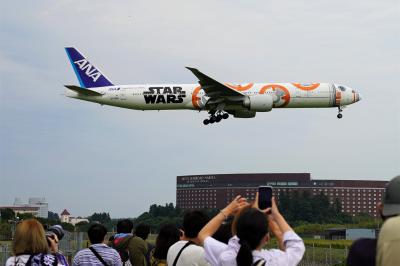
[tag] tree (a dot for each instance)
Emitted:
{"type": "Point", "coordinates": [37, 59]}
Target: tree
{"type": "Point", "coordinates": [25, 216]}
{"type": "Point", "coordinates": [53, 216]}
{"type": "Point", "coordinates": [103, 218]}
{"type": "Point", "coordinates": [5, 231]}
{"type": "Point", "coordinates": [82, 226]}
{"type": "Point", "coordinates": [7, 214]}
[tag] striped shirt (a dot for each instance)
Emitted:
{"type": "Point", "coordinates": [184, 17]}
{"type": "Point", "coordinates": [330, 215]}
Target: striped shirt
{"type": "Point", "coordinates": [86, 256]}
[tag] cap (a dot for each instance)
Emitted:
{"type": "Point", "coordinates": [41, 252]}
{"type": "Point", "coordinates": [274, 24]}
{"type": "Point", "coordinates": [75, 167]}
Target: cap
{"type": "Point", "coordinates": [58, 230]}
{"type": "Point", "coordinates": [391, 202]}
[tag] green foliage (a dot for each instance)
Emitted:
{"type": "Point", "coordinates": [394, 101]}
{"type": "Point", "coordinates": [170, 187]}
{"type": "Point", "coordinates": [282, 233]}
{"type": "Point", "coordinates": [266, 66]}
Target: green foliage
{"type": "Point", "coordinates": [68, 227]}
{"type": "Point", "coordinates": [103, 218]}
{"type": "Point", "coordinates": [7, 214]}
{"type": "Point", "coordinates": [5, 231]}
{"type": "Point", "coordinates": [53, 216]}
{"type": "Point", "coordinates": [25, 216]}
{"type": "Point", "coordinates": [82, 226]}
{"type": "Point", "coordinates": [159, 215]}
{"type": "Point", "coordinates": [323, 243]}
{"type": "Point", "coordinates": [299, 208]}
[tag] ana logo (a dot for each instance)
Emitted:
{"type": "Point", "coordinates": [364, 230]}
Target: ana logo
{"type": "Point", "coordinates": [90, 70]}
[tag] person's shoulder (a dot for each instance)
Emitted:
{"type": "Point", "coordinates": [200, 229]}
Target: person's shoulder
{"type": "Point", "coordinates": [11, 261]}
{"type": "Point", "coordinates": [194, 251]}
{"type": "Point", "coordinates": [363, 243]}
{"type": "Point", "coordinates": [391, 223]}
{"type": "Point", "coordinates": [81, 252]}
{"type": "Point", "coordinates": [178, 245]}
{"type": "Point", "coordinates": [195, 247]}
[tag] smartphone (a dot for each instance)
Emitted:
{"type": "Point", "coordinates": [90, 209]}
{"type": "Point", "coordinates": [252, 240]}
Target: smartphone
{"type": "Point", "coordinates": [264, 197]}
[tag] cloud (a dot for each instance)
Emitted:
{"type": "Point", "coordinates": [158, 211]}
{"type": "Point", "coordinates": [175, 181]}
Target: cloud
{"type": "Point", "coordinates": [66, 149]}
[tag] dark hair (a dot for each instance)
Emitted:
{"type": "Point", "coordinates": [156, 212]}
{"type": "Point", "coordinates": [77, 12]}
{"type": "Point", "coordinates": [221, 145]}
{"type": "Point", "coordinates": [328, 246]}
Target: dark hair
{"type": "Point", "coordinates": [124, 226]}
{"type": "Point", "coordinates": [224, 233]}
{"type": "Point", "coordinates": [193, 222]}
{"type": "Point", "coordinates": [168, 235]}
{"type": "Point", "coordinates": [252, 226]}
{"type": "Point", "coordinates": [96, 233]}
{"type": "Point", "coordinates": [142, 231]}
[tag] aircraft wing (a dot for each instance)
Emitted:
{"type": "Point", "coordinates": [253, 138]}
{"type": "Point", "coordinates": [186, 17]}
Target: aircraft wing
{"type": "Point", "coordinates": [213, 88]}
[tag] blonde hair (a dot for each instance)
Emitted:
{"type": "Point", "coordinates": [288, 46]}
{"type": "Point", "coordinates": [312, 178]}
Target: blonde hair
{"type": "Point", "coordinates": [30, 238]}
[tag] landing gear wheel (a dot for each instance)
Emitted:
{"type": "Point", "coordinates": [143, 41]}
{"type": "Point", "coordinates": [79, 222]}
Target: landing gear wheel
{"type": "Point", "coordinates": [225, 116]}
{"type": "Point", "coordinates": [218, 118]}
{"type": "Point", "coordinates": [339, 116]}
{"type": "Point", "coordinates": [212, 119]}
{"type": "Point", "coordinates": [206, 122]}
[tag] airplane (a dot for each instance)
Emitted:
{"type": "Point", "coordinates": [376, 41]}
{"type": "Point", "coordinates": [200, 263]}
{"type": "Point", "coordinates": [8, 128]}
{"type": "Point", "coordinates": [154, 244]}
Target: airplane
{"type": "Point", "coordinates": [219, 99]}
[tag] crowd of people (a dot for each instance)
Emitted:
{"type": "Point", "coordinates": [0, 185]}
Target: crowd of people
{"type": "Point", "coordinates": [237, 235]}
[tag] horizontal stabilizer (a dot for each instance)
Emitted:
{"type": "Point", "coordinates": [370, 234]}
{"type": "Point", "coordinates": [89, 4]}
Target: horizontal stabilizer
{"type": "Point", "coordinates": [83, 91]}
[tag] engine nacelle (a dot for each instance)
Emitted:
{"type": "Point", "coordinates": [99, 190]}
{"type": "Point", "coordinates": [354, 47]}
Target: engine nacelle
{"type": "Point", "coordinates": [244, 113]}
{"type": "Point", "coordinates": [259, 103]}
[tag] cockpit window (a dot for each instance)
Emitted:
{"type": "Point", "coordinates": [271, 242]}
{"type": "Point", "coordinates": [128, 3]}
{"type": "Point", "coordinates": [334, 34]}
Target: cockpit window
{"type": "Point", "coordinates": [342, 88]}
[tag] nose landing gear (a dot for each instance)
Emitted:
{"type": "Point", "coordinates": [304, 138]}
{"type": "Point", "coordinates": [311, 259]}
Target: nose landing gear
{"type": "Point", "coordinates": [216, 117]}
{"type": "Point", "coordinates": [339, 115]}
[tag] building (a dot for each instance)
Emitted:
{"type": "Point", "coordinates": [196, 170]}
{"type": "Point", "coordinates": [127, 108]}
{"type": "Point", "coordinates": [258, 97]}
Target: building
{"type": "Point", "coordinates": [216, 191]}
{"type": "Point", "coordinates": [42, 204]}
{"type": "Point", "coordinates": [22, 210]}
{"type": "Point", "coordinates": [67, 218]}
{"type": "Point", "coordinates": [350, 234]}
{"type": "Point", "coordinates": [65, 215]}
{"type": "Point", "coordinates": [38, 207]}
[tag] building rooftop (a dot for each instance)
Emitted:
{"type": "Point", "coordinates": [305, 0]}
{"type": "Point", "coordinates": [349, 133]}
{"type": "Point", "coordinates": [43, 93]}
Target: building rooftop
{"type": "Point", "coordinates": [65, 212]}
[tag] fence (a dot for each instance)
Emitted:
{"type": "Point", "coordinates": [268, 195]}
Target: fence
{"type": "Point", "coordinates": [319, 256]}
{"type": "Point", "coordinates": [69, 245]}
{"type": "Point", "coordinates": [314, 256]}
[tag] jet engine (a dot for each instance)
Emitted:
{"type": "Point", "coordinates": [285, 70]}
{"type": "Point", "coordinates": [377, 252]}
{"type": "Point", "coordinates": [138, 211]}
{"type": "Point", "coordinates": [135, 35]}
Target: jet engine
{"type": "Point", "coordinates": [243, 113]}
{"type": "Point", "coordinates": [259, 103]}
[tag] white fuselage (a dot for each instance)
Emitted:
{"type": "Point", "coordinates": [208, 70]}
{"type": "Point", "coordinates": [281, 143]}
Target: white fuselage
{"type": "Point", "coordinates": [192, 97]}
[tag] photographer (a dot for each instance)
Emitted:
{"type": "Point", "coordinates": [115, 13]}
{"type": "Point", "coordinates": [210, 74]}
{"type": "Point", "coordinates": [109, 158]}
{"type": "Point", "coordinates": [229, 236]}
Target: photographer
{"type": "Point", "coordinates": [250, 230]}
{"type": "Point", "coordinates": [53, 236]}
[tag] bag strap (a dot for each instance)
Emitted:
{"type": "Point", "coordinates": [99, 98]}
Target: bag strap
{"type": "Point", "coordinates": [180, 252]}
{"type": "Point", "coordinates": [259, 262]}
{"type": "Point", "coordinates": [98, 256]}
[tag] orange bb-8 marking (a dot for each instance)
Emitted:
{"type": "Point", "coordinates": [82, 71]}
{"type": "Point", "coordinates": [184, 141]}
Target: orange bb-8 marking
{"type": "Point", "coordinates": [195, 99]}
{"type": "Point", "coordinates": [308, 87]}
{"type": "Point", "coordinates": [240, 87]}
{"type": "Point", "coordinates": [276, 87]}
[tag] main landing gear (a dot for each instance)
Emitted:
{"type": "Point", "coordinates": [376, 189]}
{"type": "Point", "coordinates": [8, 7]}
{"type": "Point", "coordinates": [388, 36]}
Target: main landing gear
{"type": "Point", "coordinates": [340, 112]}
{"type": "Point", "coordinates": [216, 117]}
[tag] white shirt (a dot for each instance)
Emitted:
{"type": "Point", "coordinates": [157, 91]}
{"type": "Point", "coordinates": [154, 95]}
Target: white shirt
{"type": "Point", "coordinates": [191, 255]}
{"type": "Point", "coordinates": [221, 254]}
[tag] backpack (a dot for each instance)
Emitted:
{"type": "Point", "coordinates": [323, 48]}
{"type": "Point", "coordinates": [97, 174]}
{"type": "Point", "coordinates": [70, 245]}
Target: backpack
{"type": "Point", "coordinates": [123, 252]}
{"type": "Point", "coordinates": [42, 259]}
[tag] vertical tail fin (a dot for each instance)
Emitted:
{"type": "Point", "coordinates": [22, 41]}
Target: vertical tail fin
{"type": "Point", "coordinates": [88, 75]}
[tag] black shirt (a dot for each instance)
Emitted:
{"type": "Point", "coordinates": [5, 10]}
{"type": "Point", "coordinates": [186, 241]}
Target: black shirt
{"type": "Point", "coordinates": [362, 252]}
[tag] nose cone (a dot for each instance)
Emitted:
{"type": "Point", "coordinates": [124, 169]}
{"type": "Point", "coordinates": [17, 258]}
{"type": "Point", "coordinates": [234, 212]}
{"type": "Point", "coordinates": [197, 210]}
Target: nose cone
{"type": "Point", "coordinates": [357, 97]}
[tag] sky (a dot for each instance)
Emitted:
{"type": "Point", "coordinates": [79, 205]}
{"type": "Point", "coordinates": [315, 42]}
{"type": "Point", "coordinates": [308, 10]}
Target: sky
{"type": "Point", "coordinates": [90, 158]}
